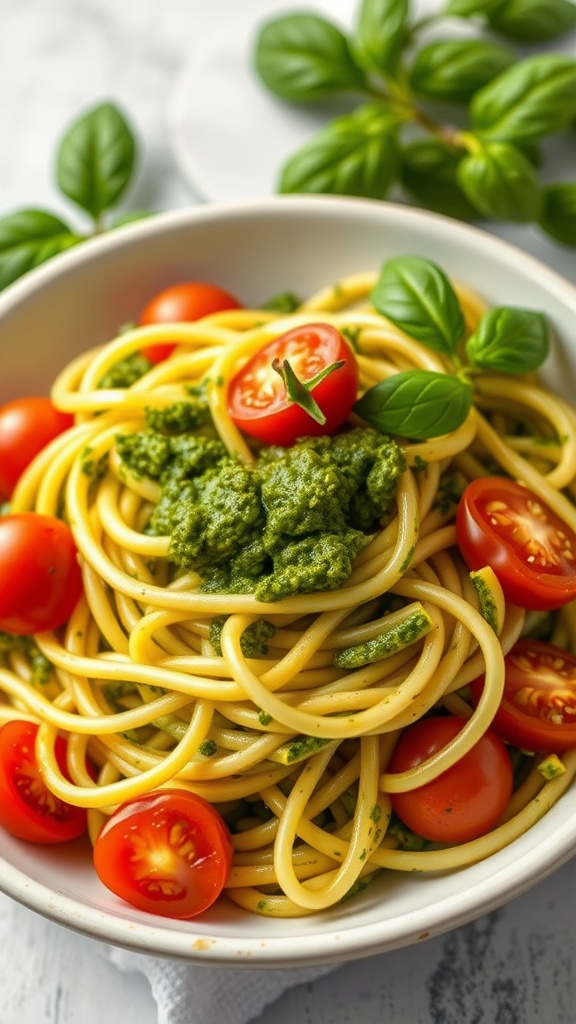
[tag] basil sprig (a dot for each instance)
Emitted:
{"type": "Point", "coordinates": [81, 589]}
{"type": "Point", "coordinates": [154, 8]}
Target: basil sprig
{"type": "Point", "coordinates": [418, 297]}
{"type": "Point", "coordinates": [95, 163]}
{"type": "Point", "coordinates": [484, 160]}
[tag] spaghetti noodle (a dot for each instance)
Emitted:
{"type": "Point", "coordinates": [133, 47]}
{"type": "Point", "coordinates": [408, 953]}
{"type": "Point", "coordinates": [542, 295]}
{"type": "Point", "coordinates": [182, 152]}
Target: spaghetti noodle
{"type": "Point", "coordinates": [292, 748]}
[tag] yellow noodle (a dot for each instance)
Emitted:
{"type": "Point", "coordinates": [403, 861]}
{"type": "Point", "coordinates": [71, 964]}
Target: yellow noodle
{"type": "Point", "coordinates": [137, 687]}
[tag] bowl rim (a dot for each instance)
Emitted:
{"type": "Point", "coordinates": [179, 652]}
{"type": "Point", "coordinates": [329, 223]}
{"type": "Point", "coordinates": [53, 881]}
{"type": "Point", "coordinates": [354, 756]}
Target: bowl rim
{"type": "Point", "coordinates": [97, 246]}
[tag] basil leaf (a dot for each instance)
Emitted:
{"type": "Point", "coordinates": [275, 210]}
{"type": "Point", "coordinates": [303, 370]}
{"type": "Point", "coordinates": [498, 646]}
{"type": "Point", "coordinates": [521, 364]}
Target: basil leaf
{"type": "Point", "coordinates": [453, 70]}
{"type": "Point", "coordinates": [95, 159]}
{"type": "Point", "coordinates": [416, 404]}
{"type": "Point", "coordinates": [509, 340]}
{"type": "Point", "coordinates": [356, 154]}
{"type": "Point", "coordinates": [533, 98]}
{"type": "Point", "coordinates": [533, 21]}
{"type": "Point", "coordinates": [502, 183]}
{"type": "Point", "coordinates": [558, 217]}
{"type": "Point", "coordinates": [429, 173]}
{"type": "Point", "coordinates": [467, 8]}
{"type": "Point", "coordinates": [304, 57]}
{"type": "Point", "coordinates": [381, 33]}
{"type": "Point", "coordinates": [416, 295]}
{"type": "Point", "coordinates": [28, 238]}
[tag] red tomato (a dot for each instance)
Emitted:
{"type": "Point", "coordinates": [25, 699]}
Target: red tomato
{"type": "Point", "coordinates": [538, 707]}
{"type": "Point", "coordinates": [465, 801]}
{"type": "Point", "coordinates": [40, 579]}
{"type": "Point", "coordinates": [184, 302]}
{"type": "Point", "coordinates": [28, 809]}
{"type": "Point", "coordinates": [27, 425]}
{"type": "Point", "coordinates": [257, 398]}
{"type": "Point", "coordinates": [168, 852]}
{"type": "Point", "coordinates": [532, 551]}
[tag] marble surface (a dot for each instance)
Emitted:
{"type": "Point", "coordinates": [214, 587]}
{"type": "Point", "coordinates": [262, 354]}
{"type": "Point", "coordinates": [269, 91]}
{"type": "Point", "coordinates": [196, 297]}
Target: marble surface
{"type": "Point", "coordinates": [514, 966]}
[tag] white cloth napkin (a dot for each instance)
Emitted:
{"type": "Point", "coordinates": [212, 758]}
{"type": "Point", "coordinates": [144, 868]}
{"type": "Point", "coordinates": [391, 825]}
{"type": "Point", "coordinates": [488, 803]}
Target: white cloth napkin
{"type": "Point", "coordinates": [194, 995]}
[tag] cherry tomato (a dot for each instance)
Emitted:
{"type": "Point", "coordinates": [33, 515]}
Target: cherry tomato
{"type": "Point", "coordinates": [28, 809]}
{"type": "Point", "coordinates": [168, 852]}
{"type": "Point", "coordinates": [465, 801]}
{"type": "Point", "coordinates": [27, 425]}
{"type": "Point", "coordinates": [40, 579]}
{"type": "Point", "coordinates": [257, 398]}
{"type": "Point", "coordinates": [190, 300]}
{"type": "Point", "coordinates": [538, 707]}
{"type": "Point", "coordinates": [532, 551]}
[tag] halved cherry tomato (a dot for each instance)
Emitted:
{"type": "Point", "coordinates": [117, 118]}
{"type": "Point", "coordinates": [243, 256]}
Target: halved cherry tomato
{"type": "Point", "coordinates": [168, 852]}
{"type": "Point", "coordinates": [464, 802]}
{"type": "Point", "coordinates": [532, 551]}
{"type": "Point", "coordinates": [190, 300]}
{"type": "Point", "coordinates": [28, 809]}
{"type": "Point", "coordinates": [27, 425]}
{"type": "Point", "coordinates": [40, 578]}
{"type": "Point", "coordinates": [538, 707]}
{"type": "Point", "coordinates": [257, 398]}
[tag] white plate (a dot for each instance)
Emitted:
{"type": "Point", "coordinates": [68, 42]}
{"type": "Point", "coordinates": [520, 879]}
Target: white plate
{"type": "Point", "coordinates": [257, 250]}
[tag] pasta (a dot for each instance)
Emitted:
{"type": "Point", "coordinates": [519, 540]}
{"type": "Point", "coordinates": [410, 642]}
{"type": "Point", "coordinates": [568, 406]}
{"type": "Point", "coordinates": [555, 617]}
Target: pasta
{"type": "Point", "coordinates": [292, 748]}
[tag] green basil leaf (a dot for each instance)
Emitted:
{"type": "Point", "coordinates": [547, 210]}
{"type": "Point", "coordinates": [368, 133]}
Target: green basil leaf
{"type": "Point", "coordinates": [468, 8]}
{"type": "Point", "coordinates": [533, 98]}
{"type": "Point", "coordinates": [453, 70]}
{"type": "Point", "coordinates": [416, 404]}
{"type": "Point", "coordinates": [382, 29]}
{"type": "Point", "coordinates": [509, 340]}
{"type": "Point", "coordinates": [502, 183]}
{"type": "Point", "coordinates": [533, 21]}
{"type": "Point", "coordinates": [28, 238]}
{"type": "Point", "coordinates": [356, 154]}
{"type": "Point", "coordinates": [95, 159]}
{"type": "Point", "coordinates": [428, 173]}
{"type": "Point", "coordinates": [558, 217]}
{"type": "Point", "coordinates": [304, 57]}
{"type": "Point", "coordinates": [416, 295]}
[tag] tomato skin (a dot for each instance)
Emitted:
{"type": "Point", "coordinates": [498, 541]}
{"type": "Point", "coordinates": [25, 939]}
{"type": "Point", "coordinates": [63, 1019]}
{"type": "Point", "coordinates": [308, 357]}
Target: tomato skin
{"type": "Point", "coordinates": [27, 809]}
{"type": "Point", "coordinates": [538, 707]}
{"type": "Point", "coordinates": [464, 802]}
{"type": "Point", "coordinates": [184, 302]}
{"type": "Point", "coordinates": [27, 425]}
{"type": "Point", "coordinates": [257, 399]}
{"type": "Point", "coordinates": [532, 552]}
{"type": "Point", "coordinates": [40, 578]}
{"type": "Point", "coordinates": [167, 852]}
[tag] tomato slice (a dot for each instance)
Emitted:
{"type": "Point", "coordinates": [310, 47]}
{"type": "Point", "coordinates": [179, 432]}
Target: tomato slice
{"type": "Point", "coordinates": [257, 398]}
{"type": "Point", "coordinates": [464, 802]}
{"type": "Point", "coordinates": [28, 810]}
{"type": "Point", "coordinates": [181, 303]}
{"type": "Point", "coordinates": [40, 578]}
{"type": "Point", "coordinates": [538, 707]}
{"type": "Point", "coordinates": [531, 550]}
{"type": "Point", "coordinates": [168, 852]}
{"type": "Point", "coordinates": [27, 425]}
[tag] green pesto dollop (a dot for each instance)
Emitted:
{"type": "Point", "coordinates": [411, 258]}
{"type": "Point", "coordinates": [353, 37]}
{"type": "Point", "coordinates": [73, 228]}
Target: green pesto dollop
{"type": "Point", "coordinates": [290, 523]}
{"type": "Point", "coordinates": [126, 372]}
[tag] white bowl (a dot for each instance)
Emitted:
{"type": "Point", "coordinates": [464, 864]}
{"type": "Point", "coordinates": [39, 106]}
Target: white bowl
{"type": "Point", "coordinates": [256, 250]}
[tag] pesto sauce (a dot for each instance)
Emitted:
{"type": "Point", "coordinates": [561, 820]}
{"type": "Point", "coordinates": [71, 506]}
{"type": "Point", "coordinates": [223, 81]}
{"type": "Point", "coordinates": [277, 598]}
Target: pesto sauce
{"type": "Point", "coordinates": [416, 625]}
{"type": "Point", "coordinates": [291, 523]}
